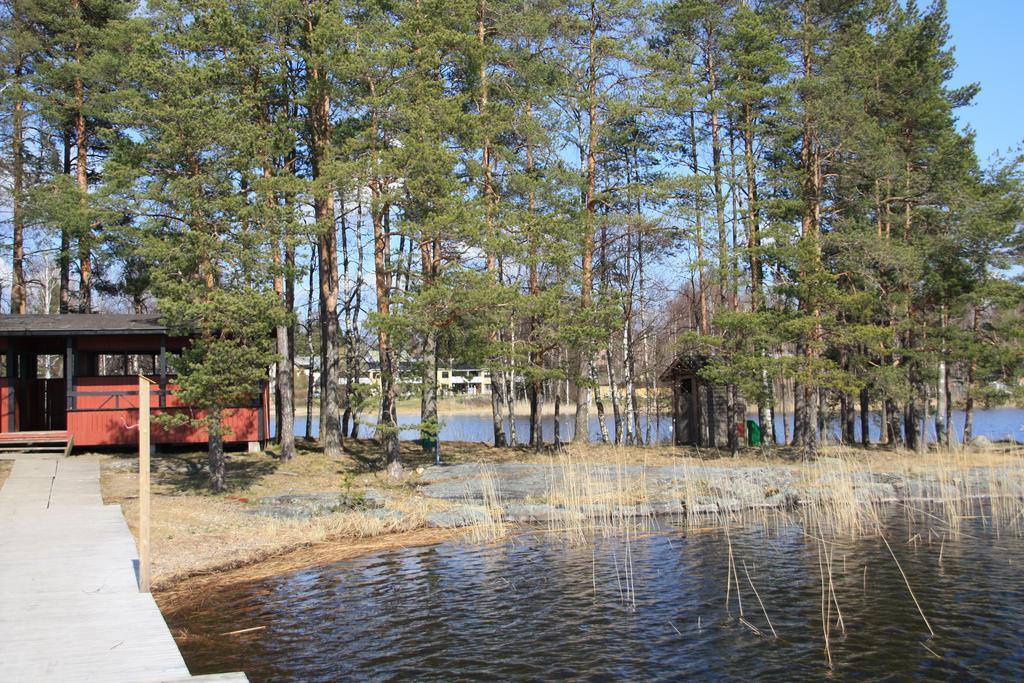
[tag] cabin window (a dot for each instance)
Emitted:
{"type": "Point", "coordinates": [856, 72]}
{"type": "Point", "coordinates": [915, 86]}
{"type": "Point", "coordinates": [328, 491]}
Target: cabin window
{"type": "Point", "coordinates": [127, 364]}
{"type": "Point", "coordinates": [49, 366]}
{"type": "Point", "coordinates": [111, 365]}
{"type": "Point", "coordinates": [143, 364]}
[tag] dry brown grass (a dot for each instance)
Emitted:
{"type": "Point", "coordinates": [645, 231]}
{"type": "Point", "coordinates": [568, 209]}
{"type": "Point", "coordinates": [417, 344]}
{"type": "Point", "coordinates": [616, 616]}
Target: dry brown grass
{"type": "Point", "coordinates": [195, 532]}
{"type": "Point", "coordinates": [598, 499]}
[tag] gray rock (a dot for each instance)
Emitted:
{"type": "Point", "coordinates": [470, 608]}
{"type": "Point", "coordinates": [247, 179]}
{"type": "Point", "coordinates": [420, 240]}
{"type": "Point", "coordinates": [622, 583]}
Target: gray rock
{"type": "Point", "coordinates": [670, 507]}
{"type": "Point", "coordinates": [875, 491]}
{"type": "Point", "coordinates": [981, 442]}
{"type": "Point", "coordinates": [374, 498]}
{"type": "Point", "coordinates": [525, 513]}
{"type": "Point", "coordinates": [460, 515]}
{"type": "Point", "coordinates": [307, 505]}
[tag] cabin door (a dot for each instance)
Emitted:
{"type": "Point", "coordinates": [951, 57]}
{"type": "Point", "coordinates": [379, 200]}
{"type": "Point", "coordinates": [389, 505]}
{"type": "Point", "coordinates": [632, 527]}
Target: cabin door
{"type": "Point", "coordinates": [41, 393]}
{"type": "Point", "coordinates": [685, 412]}
{"type": "Point", "coordinates": [42, 405]}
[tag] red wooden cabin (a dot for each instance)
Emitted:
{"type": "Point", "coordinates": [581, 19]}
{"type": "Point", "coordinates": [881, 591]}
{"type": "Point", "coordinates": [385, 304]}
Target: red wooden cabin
{"type": "Point", "coordinates": [76, 376]}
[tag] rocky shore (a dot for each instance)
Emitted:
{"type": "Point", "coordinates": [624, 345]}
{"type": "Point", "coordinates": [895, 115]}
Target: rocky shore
{"type": "Point", "coordinates": [531, 493]}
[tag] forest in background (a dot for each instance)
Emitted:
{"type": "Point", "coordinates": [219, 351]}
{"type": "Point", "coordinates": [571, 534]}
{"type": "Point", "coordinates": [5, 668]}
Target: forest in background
{"type": "Point", "coordinates": [567, 193]}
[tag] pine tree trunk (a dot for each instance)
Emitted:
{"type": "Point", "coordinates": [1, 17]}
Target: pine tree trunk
{"type": "Point", "coordinates": [289, 305]}
{"type": "Point", "coordinates": [599, 403]}
{"type": "Point", "coordinates": [948, 411]}
{"type": "Point", "coordinates": [84, 239]}
{"type": "Point", "coordinates": [910, 424]}
{"type": "Point", "coordinates": [846, 418]}
{"type": "Point", "coordinates": [627, 376]}
{"type": "Point", "coordinates": [613, 390]}
{"type": "Point", "coordinates": [535, 389]}
{"type": "Point", "coordinates": [82, 181]}
{"type": "Point", "coordinates": [799, 416]}
{"type": "Point", "coordinates": [388, 426]}
{"type": "Point", "coordinates": [510, 387]}
{"type": "Point", "coordinates": [785, 418]}
{"type": "Point", "coordinates": [765, 415]}
{"type": "Point", "coordinates": [753, 214]}
{"type": "Point", "coordinates": [327, 251]}
{"type": "Point", "coordinates": [498, 406]}
{"type": "Point", "coordinates": [865, 418]}
{"type": "Point", "coordinates": [558, 419]}
{"type": "Point", "coordinates": [497, 375]}
{"type": "Point", "coordinates": [969, 404]}
{"type": "Point", "coordinates": [733, 410]}
{"type": "Point", "coordinates": [19, 297]}
{"type": "Point", "coordinates": [536, 395]}
{"type": "Point", "coordinates": [941, 435]}
{"type": "Point", "coordinates": [215, 459]}
{"type": "Point", "coordinates": [330, 423]}
{"type": "Point", "coordinates": [922, 445]}
{"type": "Point", "coordinates": [704, 320]}
{"type": "Point", "coordinates": [286, 389]}
{"type": "Point", "coordinates": [429, 264]}
{"type": "Point", "coordinates": [428, 399]}
{"type": "Point", "coordinates": [510, 401]}
{"type": "Point", "coordinates": [347, 332]}
{"type": "Point", "coordinates": [644, 345]}
{"type": "Point", "coordinates": [310, 384]}
{"type": "Point", "coordinates": [354, 362]}
{"type": "Point", "coordinates": [584, 356]}
{"type": "Point", "coordinates": [892, 424]}
{"type": "Point", "coordinates": [716, 177]}
{"type": "Point", "coordinates": [821, 417]}
{"type": "Point", "coordinates": [65, 240]}
{"type": "Point", "coordinates": [811, 189]}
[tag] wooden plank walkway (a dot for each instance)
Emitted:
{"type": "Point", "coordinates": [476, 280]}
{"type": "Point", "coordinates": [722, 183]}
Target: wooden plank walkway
{"type": "Point", "coordinates": [70, 607]}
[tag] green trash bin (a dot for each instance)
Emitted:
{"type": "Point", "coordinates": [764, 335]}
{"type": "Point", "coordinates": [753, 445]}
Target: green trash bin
{"type": "Point", "coordinates": [753, 433]}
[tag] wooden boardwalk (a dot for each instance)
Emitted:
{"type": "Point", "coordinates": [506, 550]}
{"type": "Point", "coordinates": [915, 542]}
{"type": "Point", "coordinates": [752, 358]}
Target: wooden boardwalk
{"type": "Point", "coordinates": [70, 607]}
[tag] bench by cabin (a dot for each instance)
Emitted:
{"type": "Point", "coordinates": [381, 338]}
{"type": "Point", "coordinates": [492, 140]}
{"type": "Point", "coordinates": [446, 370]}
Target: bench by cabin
{"type": "Point", "coordinates": [75, 377]}
{"type": "Point", "coordinates": [700, 412]}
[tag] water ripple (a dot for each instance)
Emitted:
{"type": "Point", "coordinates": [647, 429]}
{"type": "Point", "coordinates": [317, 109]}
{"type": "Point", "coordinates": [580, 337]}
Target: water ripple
{"type": "Point", "coordinates": [531, 608]}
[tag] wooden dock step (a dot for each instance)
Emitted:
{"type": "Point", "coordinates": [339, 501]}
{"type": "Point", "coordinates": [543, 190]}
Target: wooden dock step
{"type": "Point", "coordinates": [42, 443]}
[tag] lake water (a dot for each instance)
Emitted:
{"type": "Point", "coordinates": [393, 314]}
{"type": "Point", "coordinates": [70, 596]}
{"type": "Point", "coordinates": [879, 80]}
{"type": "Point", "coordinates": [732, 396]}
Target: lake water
{"type": "Point", "coordinates": [996, 424]}
{"type": "Point", "coordinates": [533, 608]}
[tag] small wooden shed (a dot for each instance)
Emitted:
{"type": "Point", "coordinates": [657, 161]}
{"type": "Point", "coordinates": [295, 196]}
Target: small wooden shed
{"type": "Point", "coordinates": [700, 410]}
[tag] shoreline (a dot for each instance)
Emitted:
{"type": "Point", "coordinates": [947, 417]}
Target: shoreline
{"type": "Point", "coordinates": [204, 542]}
{"type": "Point", "coordinates": [480, 406]}
{"type": "Point", "coordinates": [174, 594]}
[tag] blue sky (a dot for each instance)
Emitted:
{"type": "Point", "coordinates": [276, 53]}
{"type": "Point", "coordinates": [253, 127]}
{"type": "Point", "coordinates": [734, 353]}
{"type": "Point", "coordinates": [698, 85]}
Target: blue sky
{"type": "Point", "coordinates": [987, 35]}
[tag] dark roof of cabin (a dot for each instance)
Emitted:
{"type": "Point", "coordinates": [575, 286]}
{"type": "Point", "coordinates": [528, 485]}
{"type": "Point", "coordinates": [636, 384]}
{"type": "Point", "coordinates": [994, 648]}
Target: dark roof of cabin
{"type": "Point", "coordinates": [78, 324]}
{"type": "Point", "coordinates": [684, 365]}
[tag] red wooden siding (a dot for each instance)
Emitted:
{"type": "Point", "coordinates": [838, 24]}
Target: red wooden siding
{"type": "Point", "coordinates": [111, 420]}
{"type": "Point", "coordinates": [106, 420]}
{"type": "Point", "coordinates": [5, 404]}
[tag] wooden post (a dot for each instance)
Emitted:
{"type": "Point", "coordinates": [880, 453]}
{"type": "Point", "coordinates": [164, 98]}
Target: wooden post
{"type": "Point", "coordinates": [144, 564]}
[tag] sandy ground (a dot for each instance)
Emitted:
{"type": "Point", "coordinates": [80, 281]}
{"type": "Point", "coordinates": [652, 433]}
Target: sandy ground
{"type": "Point", "coordinates": [471, 405]}
{"type": "Point", "coordinates": [5, 469]}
